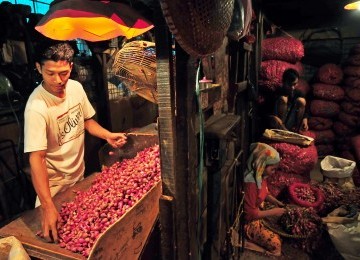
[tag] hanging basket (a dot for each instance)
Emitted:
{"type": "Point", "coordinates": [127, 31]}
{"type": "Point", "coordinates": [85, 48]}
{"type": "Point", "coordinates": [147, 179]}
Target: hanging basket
{"type": "Point", "coordinates": [135, 65]}
{"type": "Point", "coordinates": [204, 29]}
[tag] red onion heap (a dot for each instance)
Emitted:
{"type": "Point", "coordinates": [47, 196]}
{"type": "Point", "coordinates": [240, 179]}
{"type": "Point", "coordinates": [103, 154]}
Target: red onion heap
{"type": "Point", "coordinates": [306, 195]}
{"type": "Point", "coordinates": [305, 223]}
{"type": "Point", "coordinates": [112, 193]}
{"type": "Point", "coordinates": [333, 197]}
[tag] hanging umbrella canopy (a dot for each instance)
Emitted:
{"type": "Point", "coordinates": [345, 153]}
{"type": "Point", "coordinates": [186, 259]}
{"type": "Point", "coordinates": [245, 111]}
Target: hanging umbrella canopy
{"type": "Point", "coordinates": [91, 20]}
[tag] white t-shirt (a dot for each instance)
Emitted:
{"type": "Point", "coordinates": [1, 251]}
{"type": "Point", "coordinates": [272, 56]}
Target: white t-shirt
{"type": "Point", "coordinates": [57, 125]}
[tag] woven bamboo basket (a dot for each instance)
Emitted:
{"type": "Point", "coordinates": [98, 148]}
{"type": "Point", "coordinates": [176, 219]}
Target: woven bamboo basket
{"type": "Point", "coordinates": [276, 228]}
{"type": "Point", "coordinates": [272, 223]}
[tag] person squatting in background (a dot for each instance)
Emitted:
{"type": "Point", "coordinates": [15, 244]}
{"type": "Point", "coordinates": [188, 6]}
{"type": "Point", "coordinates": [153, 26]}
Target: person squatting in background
{"type": "Point", "coordinates": [290, 105]}
{"type": "Point", "coordinates": [262, 162]}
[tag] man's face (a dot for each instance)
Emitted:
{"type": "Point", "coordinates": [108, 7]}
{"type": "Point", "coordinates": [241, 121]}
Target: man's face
{"type": "Point", "coordinates": [290, 86]}
{"type": "Point", "coordinates": [55, 76]}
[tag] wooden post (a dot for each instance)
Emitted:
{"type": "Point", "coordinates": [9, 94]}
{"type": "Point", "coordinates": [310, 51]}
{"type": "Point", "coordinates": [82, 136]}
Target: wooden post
{"type": "Point", "coordinates": [167, 135]}
{"type": "Point", "coordinates": [178, 146]}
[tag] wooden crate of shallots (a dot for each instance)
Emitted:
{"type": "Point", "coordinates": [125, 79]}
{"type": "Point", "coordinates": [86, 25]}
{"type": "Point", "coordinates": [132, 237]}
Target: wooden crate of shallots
{"type": "Point", "coordinates": [125, 239]}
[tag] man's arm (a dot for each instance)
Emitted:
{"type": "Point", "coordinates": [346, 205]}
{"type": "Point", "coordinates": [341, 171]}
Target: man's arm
{"type": "Point", "coordinates": [114, 139]}
{"type": "Point", "coordinates": [40, 180]}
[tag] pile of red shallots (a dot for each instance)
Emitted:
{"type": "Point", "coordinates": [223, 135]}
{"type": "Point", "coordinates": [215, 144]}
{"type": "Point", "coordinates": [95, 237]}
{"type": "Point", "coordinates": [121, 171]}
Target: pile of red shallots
{"type": "Point", "coordinates": [112, 193]}
{"type": "Point", "coordinates": [306, 195]}
{"type": "Point", "coordinates": [333, 197]}
{"type": "Point", "coordinates": [305, 223]}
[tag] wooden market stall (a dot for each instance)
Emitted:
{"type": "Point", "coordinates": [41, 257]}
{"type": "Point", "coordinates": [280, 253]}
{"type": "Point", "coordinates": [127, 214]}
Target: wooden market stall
{"type": "Point", "coordinates": [125, 239]}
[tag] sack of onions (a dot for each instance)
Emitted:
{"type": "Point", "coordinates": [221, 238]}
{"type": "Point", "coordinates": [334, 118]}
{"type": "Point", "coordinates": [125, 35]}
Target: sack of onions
{"type": "Point", "coordinates": [305, 195]}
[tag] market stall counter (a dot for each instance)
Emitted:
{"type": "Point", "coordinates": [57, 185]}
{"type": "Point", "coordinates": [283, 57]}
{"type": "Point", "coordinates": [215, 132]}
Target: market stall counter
{"type": "Point", "coordinates": [124, 239]}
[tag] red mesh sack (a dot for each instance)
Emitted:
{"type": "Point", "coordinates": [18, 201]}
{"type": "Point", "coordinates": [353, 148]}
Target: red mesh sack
{"type": "Point", "coordinates": [347, 155]}
{"type": "Point", "coordinates": [356, 146]}
{"type": "Point", "coordinates": [328, 92]}
{"type": "Point", "coordinates": [355, 103]}
{"type": "Point", "coordinates": [296, 159]}
{"type": "Point", "coordinates": [303, 86]}
{"type": "Point", "coordinates": [355, 49]}
{"type": "Point", "coordinates": [353, 60]}
{"type": "Point", "coordinates": [350, 108]}
{"type": "Point", "coordinates": [271, 72]}
{"type": "Point", "coordinates": [324, 108]}
{"type": "Point", "coordinates": [352, 71]}
{"type": "Point", "coordinates": [343, 143]}
{"type": "Point", "coordinates": [351, 81]}
{"type": "Point", "coordinates": [319, 123]}
{"type": "Point", "coordinates": [309, 134]}
{"type": "Point", "coordinates": [324, 136]}
{"type": "Point", "coordinates": [330, 74]}
{"type": "Point", "coordinates": [353, 93]}
{"type": "Point", "coordinates": [279, 182]}
{"type": "Point", "coordinates": [348, 119]}
{"type": "Point", "coordinates": [356, 177]}
{"type": "Point", "coordinates": [325, 149]}
{"type": "Point", "coordinates": [306, 195]}
{"type": "Point", "coordinates": [282, 48]}
{"type": "Point", "coordinates": [341, 129]}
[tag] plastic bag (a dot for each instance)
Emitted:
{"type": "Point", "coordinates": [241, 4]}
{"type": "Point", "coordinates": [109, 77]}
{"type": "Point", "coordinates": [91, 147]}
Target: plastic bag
{"type": "Point", "coordinates": [345, 238]}
{"type": "Point", "coordinates": [12, 249]}
{"type": "Point", "coordinates": [336, 167]}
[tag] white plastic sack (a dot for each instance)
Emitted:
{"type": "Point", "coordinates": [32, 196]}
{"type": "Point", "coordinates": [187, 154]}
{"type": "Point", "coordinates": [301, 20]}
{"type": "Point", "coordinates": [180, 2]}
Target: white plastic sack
{"type": "Point", "coordinates": [12, 249]}
{"type": "Point", "coordinates": [346, 239]}
{"type": "Point", "coordinates": [336, 167]}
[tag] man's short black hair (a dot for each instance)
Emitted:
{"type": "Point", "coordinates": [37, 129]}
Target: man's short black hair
{"type": "Point", "coordinates": [290, 75]}
{"type": "Point", "coordinates": [54, 50]}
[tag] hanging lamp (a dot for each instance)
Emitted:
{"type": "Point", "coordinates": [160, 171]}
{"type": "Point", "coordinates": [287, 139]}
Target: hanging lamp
{"type": "Point", "coordinates": [352, 6]}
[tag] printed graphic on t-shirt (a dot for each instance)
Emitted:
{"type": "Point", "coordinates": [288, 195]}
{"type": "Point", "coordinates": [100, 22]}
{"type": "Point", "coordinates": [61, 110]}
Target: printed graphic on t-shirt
{"type": "Point", "coordinates": [71, 124]}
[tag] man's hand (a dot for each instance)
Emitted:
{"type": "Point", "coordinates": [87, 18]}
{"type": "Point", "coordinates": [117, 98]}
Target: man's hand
{"type": "Point", "coordinates": [116, 140]}
{"type": "Point", "coordinates": [304, 125]}
{"type": "Point", "coordinates": [49, 221]}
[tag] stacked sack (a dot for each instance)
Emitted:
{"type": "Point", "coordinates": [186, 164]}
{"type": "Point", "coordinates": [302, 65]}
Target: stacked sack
{"type": "Point", "coordinates": [349, 117]}
{"type": "Point", "coordinates": [327, 95]}
{"type": "Point", "coordinates": [278, 55]}
{"type": "Point", "coordinates": [295, 166]}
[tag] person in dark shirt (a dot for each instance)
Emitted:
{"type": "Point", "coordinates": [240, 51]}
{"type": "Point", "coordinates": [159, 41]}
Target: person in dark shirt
{"type": "Point", "coordinates": [290, 105]}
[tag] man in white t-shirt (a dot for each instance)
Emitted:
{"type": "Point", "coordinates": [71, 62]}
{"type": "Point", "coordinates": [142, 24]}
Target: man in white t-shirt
{"type": "Point", "coordinates": [57, 114]}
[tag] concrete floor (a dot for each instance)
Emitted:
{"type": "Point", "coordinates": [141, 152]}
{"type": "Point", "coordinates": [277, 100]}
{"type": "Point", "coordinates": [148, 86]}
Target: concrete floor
{"type": "Point", "coordinates": [288, 252]}
{"type": "Point", "coordinates": [325, 251]}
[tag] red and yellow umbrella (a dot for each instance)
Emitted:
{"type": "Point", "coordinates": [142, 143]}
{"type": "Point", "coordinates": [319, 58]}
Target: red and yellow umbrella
{"type": "Point", "coordinates": [91, 20]}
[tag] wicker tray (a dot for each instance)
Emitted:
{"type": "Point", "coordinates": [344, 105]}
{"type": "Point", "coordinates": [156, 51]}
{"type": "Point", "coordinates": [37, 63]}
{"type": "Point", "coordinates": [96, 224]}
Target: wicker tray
{"type": "Point", "coordinates": [272, 224]}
